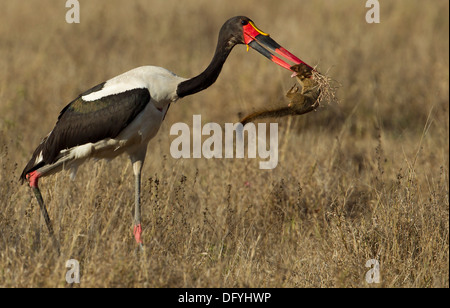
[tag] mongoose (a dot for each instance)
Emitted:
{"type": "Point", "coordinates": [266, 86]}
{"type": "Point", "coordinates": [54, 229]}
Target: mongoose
{"type": "Point", "coordinates": [299, 102]}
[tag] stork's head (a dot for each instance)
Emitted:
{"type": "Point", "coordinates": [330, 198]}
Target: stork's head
{"type": "Point", "coordinates": [242, 30]}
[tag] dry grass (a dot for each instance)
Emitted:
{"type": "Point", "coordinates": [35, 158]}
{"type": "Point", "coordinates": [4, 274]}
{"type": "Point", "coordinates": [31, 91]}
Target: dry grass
{"type": "Point", "coordinates": [327, 86]}
{"type": "Point", "coordinates": [365, 179]}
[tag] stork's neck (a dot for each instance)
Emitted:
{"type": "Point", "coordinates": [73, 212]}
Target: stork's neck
{"type": "Point", "coordinates": [210, 74]}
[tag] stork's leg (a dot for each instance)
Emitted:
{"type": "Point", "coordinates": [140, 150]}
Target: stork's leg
{"type": "Point", "coordinates": [33, 179]}
{"type": "Point", "coordinates": [137, 208]}
{"type": "Point", "coordinates": [44, 212]}
{"type": "Point", "coordinates": [137, 161]}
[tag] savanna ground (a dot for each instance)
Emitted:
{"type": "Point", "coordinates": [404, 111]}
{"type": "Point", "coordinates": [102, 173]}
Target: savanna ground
{"type": "Point", "coordinates": [365, 179]}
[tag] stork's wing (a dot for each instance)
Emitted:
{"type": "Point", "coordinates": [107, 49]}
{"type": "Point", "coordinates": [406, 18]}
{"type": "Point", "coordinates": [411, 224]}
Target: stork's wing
{"type": "Point", "coordinates": [82, 122]}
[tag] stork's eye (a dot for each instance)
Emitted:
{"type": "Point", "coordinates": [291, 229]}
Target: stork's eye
{"type": "Point", "coordinates": [244, 22]}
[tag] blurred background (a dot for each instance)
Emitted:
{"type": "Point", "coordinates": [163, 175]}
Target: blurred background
{"type": "Point", "coordinates": [365, 178]}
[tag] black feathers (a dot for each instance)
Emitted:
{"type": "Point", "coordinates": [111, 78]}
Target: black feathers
{"type": "Point", "coordinates": [82, 122]}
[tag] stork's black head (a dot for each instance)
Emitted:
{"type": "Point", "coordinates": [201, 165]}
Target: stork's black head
{"type": "Point", "coordinates": [242, 30]}
{"type": "Point", "coordinates": [233, 30]}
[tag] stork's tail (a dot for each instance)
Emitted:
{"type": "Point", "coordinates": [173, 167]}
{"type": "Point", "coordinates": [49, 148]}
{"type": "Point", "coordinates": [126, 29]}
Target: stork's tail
{"type": "Point", "coordinates": [36, 162]}
{"type": "Point", "coordinates": [38, 166]}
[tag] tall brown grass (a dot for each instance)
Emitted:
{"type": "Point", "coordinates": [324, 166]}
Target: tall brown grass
{"type": "Point", "coordinates": [365, 179]}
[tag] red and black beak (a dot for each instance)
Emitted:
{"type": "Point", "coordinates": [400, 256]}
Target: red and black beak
{"type": "Point", "coordinates": [266, 46]}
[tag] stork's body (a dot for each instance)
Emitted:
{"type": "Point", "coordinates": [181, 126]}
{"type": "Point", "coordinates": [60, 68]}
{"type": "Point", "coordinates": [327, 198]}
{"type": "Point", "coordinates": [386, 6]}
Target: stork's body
{"type": "Point", "coordinates": [117, 116]}
{"type": "Point", "coordinates": [124, 113]}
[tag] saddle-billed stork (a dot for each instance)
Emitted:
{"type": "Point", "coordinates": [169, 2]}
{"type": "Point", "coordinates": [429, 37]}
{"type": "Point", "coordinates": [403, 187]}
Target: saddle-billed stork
{"type": "Point", "coordinates": [122, 114]}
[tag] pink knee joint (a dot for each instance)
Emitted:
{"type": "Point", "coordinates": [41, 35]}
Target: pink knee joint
{"type": "Point", "coordinates": [33, 178]}
{"type": "Point", "coordinates": [137, 233]}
